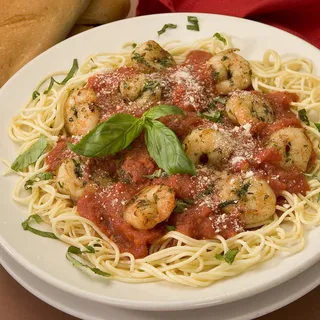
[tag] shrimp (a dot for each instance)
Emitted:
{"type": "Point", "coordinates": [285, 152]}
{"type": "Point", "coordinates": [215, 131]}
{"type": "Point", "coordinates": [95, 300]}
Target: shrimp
{"type": "Point", "coordinates": [253, 197]}
{"type": "Point", "coordinates": [68, 179]}
{"type": "Point", "coordinates": [81, 114]}
{"type": "Point", "coordinates": [207, 146]}
{"type": "Point", "coordinates": [294, 147]}
{"type": "Point", "coordinates": [150, 206]}
{"type": "Point", "coordinates": [247, 107]}
{"type": "Point", "coordinates": [231, 71]}
{"type": "Point", "coordinates": [140, 89]}
{"type": "Point", "coordinates": [150, 56]}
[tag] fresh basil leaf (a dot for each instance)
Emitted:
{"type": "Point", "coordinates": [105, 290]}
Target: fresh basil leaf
{"type": "Point", "coordinates": [171, 228]}
{"type": "Point", "coordinates": [38, 177]}
{"type": "Point", "coordinates": [317, 126]}
{"type": "Point", "coordinates": [35, 95]}
{"type": "Point", "coordinates": [161, 111]}
{"type": "Point", "coordinates": [228, 257]}
{"type": "Point", "coordinates": [109, 137]}
{"type": "Point", "coordinates": [71, 73]}
{"type": "Point", "coordinates": [216, 117]}
{"type": "Point", "coordinates": [165, 27]}
{"type": "Point", "coordinates": [219, 37]}
{"type": "Point", "coordinates": [38, 219]}
{"type": "Point", "coordinates": [166, 150]}
{"type": "Point", "coordinates": [303, 116]}
{"type": "Point", "coordinates": [77, 263]}
{"type": "Point", "coordinates": [31, 155]}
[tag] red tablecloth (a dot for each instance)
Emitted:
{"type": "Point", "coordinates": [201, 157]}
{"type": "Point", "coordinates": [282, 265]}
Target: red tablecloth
{"type": "Point", "coordinates": [300, 17]}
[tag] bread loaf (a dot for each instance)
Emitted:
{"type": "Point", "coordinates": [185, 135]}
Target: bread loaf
{"type": "Point", "coordinates": [28, 28]}
{"type": "Point", "coordinates": [104, 11]}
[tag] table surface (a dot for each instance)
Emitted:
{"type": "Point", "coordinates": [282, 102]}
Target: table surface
{"type": "Point", "coordinates": [17, 303]}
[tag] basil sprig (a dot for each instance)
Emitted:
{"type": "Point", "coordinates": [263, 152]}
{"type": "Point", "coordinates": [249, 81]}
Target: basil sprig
{"type": "Point", "coordinates": [75, 262]}
{"type": "Point", "coordinates": [37, 219]}
{"type": "Point", "coordinates": [118, 132]}
{"type": "Point", "coordinates": [38, 177]}
{"type": "Point", "coordinates": [31, 155]}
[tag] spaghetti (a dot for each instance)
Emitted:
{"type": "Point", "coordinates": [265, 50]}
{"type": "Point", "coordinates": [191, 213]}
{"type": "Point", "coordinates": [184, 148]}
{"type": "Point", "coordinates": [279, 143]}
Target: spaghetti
{"type": "Point", "coordinates": [189, 262]}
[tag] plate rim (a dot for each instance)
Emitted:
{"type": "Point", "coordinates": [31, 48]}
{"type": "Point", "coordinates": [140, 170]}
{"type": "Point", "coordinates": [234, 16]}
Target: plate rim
{"type": "Point", "coordinates": [138, 305]}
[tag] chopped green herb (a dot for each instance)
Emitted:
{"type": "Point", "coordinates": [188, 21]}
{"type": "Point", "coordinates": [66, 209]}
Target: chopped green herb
{"type": "Point", "coordinates": [228, 257]}
{"type": "Point", "coordinates": [216, 117]}
{"type": "Point", "coordinates": [194, 23]}
{"type": "Point", "coordinates": [38, 177]}
{"type": "Point", "coordinates": [37, 219]}
{"type": "Point", "coordinates": [171, 228]}
{"type": "Point", "coordinates": [317, 126]}
{"type": "Point", "coordinates": [215, 76]}
{"type": "Point", "coordinates": [224, 58]}
{"type": "Point", "coordinates": [61, 184]}
{"type": "Point", "coordinates": [227, 203]}
{"type": "Point", "coordinates": [77, 168]}
{"type": "Point", "coordinates": [303, 116]}
{"type": "Point", "coordinates": [35, 94]}
{"type": "Point", "coordinates": [157, 174]}
{"type": "Point", "coordinates": [140, 59]}
{"type": "Point", "coordinates": [134, 45]}
{"type": "Point", "coordinates": [77, 263]}
{"type": "Point", "coordinates": [180, 206]}
{"type": "Point", "coordinates": [150, 85]}
{"type": "Point", "coordinates": [219, 37]}
{"type": "Point", "coordinates": [243, 190]}
{"type": "Point", "coordinates": [165, 62]}
{"type": "Point", "coordinates": [167, 26]}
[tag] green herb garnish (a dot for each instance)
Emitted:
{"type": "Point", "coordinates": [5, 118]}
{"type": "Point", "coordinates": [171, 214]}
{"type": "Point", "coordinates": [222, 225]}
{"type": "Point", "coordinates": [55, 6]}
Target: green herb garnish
{"type": "Point", "coordinates": [227, 203]}
{"type": "Point", "coordinates": [243, 190]}
{"type": "Point", "coordinates": [35, 94]}
{"type": "Point", "coordinates": [317, 126]}
{"type": "Point", "coordinates": [118, 132]}
{"type": "Point", "coordinates": [216, 117]}
{"type": "Point", "coordinates": [181, 205]}
{"type": "Point", "coordinates": [37, 219]}
{"type": "Point", "coordinates": [157, 174]}
{"type": "Point", "coordinates": [194, 23]}
{"type": "Point", "coordinates": [167, 26]}
{"type": "Point", "coordinates": [38, 177]}
{"type": "Point", "coordinates": [219, 37]}
{"type": "Point", "coordinates": [303, 116]}
{"type": "Point", "coordinates": [171, 228]}
{"type": "Point", "coordinates": [228, 257]}
{"type": "Point", "coordinates": [31, 155]}
{"type": "Point", "coordinates": [77, 263]}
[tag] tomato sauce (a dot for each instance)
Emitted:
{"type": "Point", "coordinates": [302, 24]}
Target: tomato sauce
{"type": "Point", "coordinates": [189, 86]}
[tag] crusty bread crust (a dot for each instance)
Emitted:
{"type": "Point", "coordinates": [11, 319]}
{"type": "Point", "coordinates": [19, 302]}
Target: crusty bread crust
{"type": "Point", "coordinates": [104, 11]}
{"type": "Point", "coordinates": [28, 28]}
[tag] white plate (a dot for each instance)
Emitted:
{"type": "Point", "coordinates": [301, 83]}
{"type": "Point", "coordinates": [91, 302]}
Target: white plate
{"type": "Point", "coordinates": [45, 257]}
{"type": "Point", "coordinates": [249, 308]}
